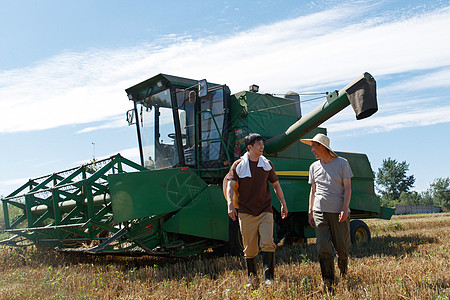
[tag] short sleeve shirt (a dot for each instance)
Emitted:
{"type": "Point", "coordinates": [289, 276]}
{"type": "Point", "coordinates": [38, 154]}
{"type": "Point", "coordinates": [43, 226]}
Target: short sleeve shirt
{"type": "Point", "coordinates": [254, 191]}
{"type": "Point", "coordinates": [329, 180]}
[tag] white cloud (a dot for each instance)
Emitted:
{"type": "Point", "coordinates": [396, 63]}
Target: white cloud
{"type": "Point", "coordinates": [302, 54]}
{"type": "Point", "coordinates": [14, 182]}
{"type": "Point", "coordinates": [9, 186]}
{"type": "Point", "coordinates": [114, 123]}
{"type": "Point", "coordinates": [434, 79]}
{"type": "Point", "coordinates": [131, 154]}
{"type": "Point", "coordinates": [415, 117]}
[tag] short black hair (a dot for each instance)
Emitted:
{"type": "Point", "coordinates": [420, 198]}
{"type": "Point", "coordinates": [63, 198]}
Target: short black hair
{"type": "Point", "coordinates": [251, 138]}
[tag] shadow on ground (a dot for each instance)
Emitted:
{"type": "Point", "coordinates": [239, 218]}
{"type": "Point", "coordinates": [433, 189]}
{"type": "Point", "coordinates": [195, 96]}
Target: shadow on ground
{"type": "Point", "coordinates": [208, 264]}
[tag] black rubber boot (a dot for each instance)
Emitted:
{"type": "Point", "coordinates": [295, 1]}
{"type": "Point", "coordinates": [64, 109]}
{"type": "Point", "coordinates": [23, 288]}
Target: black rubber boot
{"type": "Point", "coordinates": [252, 271]}
{"type": "Point", "coordinates": [343, 267]}
{"type": "Point", "coordinates": [327, 268]}
{"type": "Point", "coordinates": [269, 267]}
{"type": "Point", "coordinates": [251, 266]}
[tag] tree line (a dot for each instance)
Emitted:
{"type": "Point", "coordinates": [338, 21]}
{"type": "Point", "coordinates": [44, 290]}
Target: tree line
{"type": "Point", "coordinates": [395, 187]}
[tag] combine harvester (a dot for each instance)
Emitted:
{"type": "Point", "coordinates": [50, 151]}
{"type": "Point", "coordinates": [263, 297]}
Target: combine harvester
{"type": "Point", "coordinates": [189, 133]}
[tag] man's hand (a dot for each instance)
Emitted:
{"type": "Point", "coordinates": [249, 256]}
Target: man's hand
{"type": "Point", "coordinates": [230, 192]}
{"type": "Point", "coordinates": [284, 211]}
{"type": "Point", "coordinates": [232, 211]}
{"type": "Point", "coordinates": [279, 192]}
{"type": "Point", "coordinates": [347, 195]}
{"type": "Point", "coordinates": [343, 215]}
{"type": "Point", "coordinates": [311, 220]}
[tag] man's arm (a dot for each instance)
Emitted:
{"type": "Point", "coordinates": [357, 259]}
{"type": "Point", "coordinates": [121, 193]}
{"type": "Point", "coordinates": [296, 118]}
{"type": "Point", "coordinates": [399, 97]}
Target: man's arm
{"type": "Point", "coordinates": [311, 204]}
{"type": "Point", "coordinates": [347, 195]}
{"type": "Point", "coordinates": [230, 191]}
{"type": "Point", "coordinates": [279, 192]}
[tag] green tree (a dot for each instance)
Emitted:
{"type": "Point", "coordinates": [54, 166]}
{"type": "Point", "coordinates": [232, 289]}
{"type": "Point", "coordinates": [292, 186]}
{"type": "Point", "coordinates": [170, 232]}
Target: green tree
{"type": "Point", "coordinates": [392, 180]}
{"type": "Point", "coordinates": [426, 197]}
{"type": "Point", "coordinates": [2, 219]}
{"type": "Point", "coordinates": [415, 198]}
{"type": "Point", "coordinates": [410, 198]}
{"type": "Point", "coordinates": [440, 189]}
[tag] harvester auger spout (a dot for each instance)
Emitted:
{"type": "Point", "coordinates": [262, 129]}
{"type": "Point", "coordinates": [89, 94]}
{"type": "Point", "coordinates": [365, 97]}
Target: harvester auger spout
{"type": "Point", "coordinates": [361, 94]}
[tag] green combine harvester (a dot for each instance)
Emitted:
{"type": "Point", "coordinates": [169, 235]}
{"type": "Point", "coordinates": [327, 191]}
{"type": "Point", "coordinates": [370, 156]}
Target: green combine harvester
{"type": "Point", "coordinates": [189, 133]}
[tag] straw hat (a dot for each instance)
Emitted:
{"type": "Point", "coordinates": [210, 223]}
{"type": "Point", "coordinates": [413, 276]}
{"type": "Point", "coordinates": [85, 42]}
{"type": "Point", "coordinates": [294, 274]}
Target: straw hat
{"type": "Point", "coordinates": [321, 139]}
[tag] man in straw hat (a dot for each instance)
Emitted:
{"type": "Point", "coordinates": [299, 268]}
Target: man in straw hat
{"type": "Point", "coordinates": [329, 199]}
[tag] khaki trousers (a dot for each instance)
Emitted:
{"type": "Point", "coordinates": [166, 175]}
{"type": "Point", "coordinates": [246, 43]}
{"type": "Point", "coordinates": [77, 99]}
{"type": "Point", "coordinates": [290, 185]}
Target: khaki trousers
{"type": "Point", "coordinates": [329, 233]}
{"type": "Point", "coordinates": [254, 227]}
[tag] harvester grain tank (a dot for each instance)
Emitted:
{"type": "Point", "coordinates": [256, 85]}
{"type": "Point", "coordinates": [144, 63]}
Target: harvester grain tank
{"type": "Point", "coordinates": [189, 132]}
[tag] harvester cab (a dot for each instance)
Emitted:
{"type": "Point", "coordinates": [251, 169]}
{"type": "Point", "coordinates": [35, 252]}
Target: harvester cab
{"type": "Point", "coordinates": [180, 122]}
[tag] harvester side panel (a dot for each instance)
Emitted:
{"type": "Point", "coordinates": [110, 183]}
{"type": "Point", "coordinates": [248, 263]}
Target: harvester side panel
{"type": "Point", "coordinates": [153, 192]}
{"type": "Point", "coordinates": [205, 217]}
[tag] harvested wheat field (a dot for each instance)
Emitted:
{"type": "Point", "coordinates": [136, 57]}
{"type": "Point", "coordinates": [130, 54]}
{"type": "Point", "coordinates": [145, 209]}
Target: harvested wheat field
{"type": "Point", "coordinates": [408, 258]}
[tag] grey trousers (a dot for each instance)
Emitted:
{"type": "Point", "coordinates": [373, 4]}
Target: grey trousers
{"type": "Point", "coordinates": [329, 233]}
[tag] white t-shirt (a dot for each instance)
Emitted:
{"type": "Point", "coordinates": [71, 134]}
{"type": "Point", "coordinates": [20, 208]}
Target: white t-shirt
{"type": "Point", "coordinates": [329, 180]}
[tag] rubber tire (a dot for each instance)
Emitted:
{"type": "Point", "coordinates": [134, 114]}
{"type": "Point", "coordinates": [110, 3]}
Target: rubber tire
{"type": "Point", "coordinates": [359, 232]}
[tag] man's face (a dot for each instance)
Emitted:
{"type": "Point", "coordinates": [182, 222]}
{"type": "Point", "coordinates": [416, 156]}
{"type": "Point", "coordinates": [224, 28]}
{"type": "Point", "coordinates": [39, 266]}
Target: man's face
{"type": "Point", "coordinates": [318, 150]}
{"type": "Point", "coordinates": [256, 149]}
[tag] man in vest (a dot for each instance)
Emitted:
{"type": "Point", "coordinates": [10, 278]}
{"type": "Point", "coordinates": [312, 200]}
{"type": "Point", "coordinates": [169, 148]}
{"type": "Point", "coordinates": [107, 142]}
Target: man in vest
{"type": "Point", "coordinates": [253, 172]}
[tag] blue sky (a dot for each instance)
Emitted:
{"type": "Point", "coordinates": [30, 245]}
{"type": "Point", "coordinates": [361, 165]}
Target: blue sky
{"type": "Point", "coordinates": [64, 66]}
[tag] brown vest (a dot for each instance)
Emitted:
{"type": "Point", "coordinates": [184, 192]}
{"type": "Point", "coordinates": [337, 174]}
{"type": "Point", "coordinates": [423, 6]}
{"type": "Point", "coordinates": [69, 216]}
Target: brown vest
{"type": "Point", "coordinates": [254, 192]}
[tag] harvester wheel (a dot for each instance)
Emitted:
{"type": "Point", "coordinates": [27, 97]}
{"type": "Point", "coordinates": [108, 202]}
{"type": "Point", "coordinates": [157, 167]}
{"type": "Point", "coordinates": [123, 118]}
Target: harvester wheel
{"type": "Point", "coordinates": [359, 232]}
